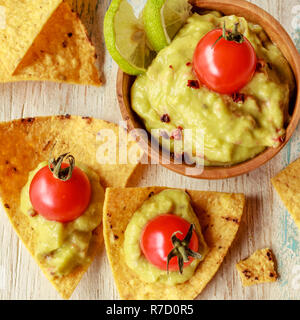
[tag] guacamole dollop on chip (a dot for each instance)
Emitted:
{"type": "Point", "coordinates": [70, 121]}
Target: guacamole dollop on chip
{"type": "Point", "coordinates": [61, 247]}
{"type": "Point", "coordinates": [25, 143]}
{"type": "Point", "coordinates": [219, 215]}
{"type": "Point", "coordinates": [167, 201]}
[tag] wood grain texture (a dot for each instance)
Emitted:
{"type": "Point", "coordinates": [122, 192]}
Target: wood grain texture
{"type": "Point", "coordinates": [266, 222]}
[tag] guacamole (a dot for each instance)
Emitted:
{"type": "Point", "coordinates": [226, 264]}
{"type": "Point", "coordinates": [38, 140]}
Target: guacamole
{"type": "Point", "coordinates": [61, 247]}
{"type": "Point", "coordinates": [167, 201]}
{"type": "Point", "coordinates": [234, 128]}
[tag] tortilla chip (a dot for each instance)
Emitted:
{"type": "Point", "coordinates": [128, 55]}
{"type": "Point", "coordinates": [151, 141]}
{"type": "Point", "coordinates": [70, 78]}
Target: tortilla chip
{"type": "Point", "coordinates": [287, 184]}
{"type": "Point", "coordinates": [61, 52]}
{"type": "Point", "coordinates": [24, 21]}
{"type": "Point", "coordinates": [258, 268]}
{"type": "Point", "coordinates": [27, 142]}
{"type": "Point", "coordinates": [219, 215]}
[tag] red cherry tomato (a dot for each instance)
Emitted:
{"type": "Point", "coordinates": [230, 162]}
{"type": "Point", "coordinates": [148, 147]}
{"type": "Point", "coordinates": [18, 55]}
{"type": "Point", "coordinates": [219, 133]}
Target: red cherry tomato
{"type": "Point", "coordinates": [156, 241]}
{"type": "Point", "coordinates": [58, 200]}
{"type": "Point", "coordinates": [224, 66]}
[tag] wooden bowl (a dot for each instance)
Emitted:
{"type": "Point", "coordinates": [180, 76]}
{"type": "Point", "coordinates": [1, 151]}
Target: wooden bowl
{"type": "Point", "coordinates": [278, 36]}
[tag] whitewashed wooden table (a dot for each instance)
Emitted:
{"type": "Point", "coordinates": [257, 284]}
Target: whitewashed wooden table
{"type": "Point", "coordinates": [266, 222]}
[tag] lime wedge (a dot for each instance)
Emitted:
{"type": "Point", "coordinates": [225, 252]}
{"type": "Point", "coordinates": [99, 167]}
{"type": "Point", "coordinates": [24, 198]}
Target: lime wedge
{"type": "Point", "coordinates": [126, 39]}
{"type": "Point", "coordinates": [163, 19]}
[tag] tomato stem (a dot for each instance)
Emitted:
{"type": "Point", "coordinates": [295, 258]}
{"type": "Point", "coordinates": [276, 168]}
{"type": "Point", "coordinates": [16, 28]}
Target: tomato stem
{"type": "Point", "coordinates": [181, 249]}
{"type": "Point", "coordinates": [229, 35]}
{"type": "Point", "coordinates": [63, 174]}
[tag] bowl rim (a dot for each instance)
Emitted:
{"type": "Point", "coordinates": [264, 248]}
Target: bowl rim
{"type": "Point", "coordinates": [268, 22]}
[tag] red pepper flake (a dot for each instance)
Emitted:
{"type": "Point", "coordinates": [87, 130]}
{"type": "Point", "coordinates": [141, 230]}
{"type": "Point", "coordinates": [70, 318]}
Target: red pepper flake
{"type": "Point", "coordinates": [176, 134]}
{"type": "Point", "coordinates": [188, 64]}
{"type": "Point", "coordinates": [238, 97]}
{"type": "Point", "coordinates": [165, 118]}
{"type": "Point", "coordinates": [32, 213]}
{"type": "Point", "coordinates": [260, 65]}
{"type": "Point", "coordinates": [193, 84]}
{"type": "Point", "coordinates": [171, 67]}
{"type": "Point", "coordinates": [279, 139]}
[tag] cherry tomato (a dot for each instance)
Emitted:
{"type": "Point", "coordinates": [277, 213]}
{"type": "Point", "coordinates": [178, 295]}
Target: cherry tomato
{"type": "Point", "coordinates": [224, 66]}
{"type": "Point", "coordinates": [58, 200]}
{"type": "Point", "coordinates": [156, 241]}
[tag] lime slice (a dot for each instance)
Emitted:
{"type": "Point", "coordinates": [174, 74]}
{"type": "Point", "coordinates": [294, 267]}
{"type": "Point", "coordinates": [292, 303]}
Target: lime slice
{"type": "Point", "coordinates": [126, 39]}
{"type": "Point", "coordinates": [163, 19]}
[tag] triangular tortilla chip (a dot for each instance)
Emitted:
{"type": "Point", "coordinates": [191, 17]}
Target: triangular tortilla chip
{"type": "Point", "coordinates": [287, 184]}
{"type": "Point", "coordinates": [258, 268]}
{"type": "Point", "coordinates": [219, 215]}
{"type": "Point", "coordinates": [25, 143]}
{"type": "Point", "coordinates": [24, 21]}
{"type": "Point", "coordinates": [61, 52]}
